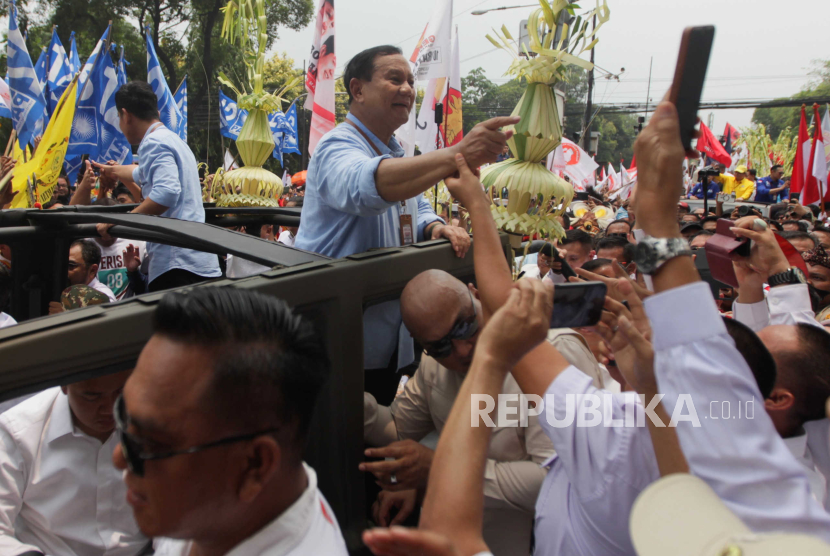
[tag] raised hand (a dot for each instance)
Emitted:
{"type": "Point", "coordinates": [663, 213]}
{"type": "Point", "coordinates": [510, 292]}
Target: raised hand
{"type": "Point", "coordinates": [520, 324]}
{"type": "Point", "coordinates": [660, 156]}
{"type": "Point", "coordinates": [466, 187]}
{"type": "Point", "coordinates": [132, 258]}
{"type": "Point", "coordinates": [628, 334]}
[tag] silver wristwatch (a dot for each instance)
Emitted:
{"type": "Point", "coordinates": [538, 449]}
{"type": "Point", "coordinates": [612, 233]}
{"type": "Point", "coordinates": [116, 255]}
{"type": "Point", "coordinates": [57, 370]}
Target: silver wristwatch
{"type": "Point", "coordinates": [652, 253]}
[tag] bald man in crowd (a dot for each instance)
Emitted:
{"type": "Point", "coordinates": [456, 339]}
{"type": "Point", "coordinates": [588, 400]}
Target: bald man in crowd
{"type": "Point", "coordinates": [444, 315]}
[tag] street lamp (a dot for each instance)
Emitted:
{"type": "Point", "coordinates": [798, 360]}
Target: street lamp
{"type": "Point", "coordinates": [482, 12]}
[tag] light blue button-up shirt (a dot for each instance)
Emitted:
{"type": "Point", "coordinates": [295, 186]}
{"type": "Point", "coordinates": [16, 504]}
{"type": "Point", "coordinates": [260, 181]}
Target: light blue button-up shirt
{"type": "Point", "coordinates": [167, 174]}
{"type": "Point", "coordinates": [344, 214]}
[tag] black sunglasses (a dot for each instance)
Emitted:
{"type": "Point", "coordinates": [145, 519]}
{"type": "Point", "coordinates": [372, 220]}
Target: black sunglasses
{"type": "Point", "coordinates": [463, 329]}
{"type": "Point", "coordinates": [133, 452]}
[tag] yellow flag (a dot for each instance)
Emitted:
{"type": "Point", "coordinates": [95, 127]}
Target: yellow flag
{"type": "Point", "coordinates": [47, 161]}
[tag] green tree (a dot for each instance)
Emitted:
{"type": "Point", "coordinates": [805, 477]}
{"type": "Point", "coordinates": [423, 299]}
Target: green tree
{"type": "Point", "coordinates": [483, 99]}
{"type": "Point", "coordinates": [777, 120]}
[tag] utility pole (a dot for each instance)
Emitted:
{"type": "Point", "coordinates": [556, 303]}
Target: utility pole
{"type": "Point", "coordinates": [589, 105]}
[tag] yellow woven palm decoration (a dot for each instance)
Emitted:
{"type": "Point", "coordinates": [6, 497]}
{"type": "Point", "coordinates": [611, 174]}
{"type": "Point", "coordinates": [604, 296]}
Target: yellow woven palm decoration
{"type": "Point", "coordinates": [535, 196]}
{"type": "Point", "coordinates": [246, 24]}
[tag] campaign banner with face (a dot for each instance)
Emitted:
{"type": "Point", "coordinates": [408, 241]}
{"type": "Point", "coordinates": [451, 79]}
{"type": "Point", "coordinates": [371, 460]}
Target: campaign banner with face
{"type": "Point", "coordinates": [320, 76]}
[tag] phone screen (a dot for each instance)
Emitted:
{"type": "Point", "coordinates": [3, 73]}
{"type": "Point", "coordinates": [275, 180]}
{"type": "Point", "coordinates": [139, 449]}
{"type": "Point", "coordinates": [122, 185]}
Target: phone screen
{"type": "Point", "coordinates": [577, 304]}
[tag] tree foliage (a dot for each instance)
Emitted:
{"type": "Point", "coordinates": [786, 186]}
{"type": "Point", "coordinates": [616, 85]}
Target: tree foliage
{"type": "Point", "coordinates": [776, 120]}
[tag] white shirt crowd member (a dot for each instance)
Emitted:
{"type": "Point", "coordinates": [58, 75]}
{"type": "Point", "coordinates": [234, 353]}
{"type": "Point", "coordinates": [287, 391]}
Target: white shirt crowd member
{"type": "Point", "coordinates": [96, 284]}
{"type": "Point", "coordinates": [744, 460]}
{"type": "Point", "coordinates": [598, 472]}
{"type": "Point", "coordinates": [59, 491]}
{"type": "Point", "coordinates": [791, 305]}
{"type": "Point", "coordinates": [307, 527]}
{"type": "Point", "coordinates": [287, 238]}
{"type": "Point", "coordinates": [113, 272]}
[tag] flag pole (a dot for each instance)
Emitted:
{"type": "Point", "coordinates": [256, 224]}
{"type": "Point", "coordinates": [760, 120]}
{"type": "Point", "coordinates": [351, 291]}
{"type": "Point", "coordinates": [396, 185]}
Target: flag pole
{"type": "Point", "coordinates": [12, 137]}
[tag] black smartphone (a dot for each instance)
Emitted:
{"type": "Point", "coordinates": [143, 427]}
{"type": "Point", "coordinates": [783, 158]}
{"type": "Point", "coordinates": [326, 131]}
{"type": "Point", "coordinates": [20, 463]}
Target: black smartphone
{"type": "Point", "coordinates": [689, 76]}
{"type": "Point", "coordinates": [82, 171]}
{"type": "Point", "coordinates": [566, 270]}
{"type": "Point", "coordinates": [577, 304]}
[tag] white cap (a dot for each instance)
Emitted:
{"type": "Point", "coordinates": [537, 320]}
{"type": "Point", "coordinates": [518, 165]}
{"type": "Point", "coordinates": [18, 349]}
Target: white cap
{"type": "Point", "coordinates": [680, 515]}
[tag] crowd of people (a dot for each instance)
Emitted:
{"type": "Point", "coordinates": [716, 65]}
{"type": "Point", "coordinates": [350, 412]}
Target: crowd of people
{"type": "Point", "coordinates": [681, 423]}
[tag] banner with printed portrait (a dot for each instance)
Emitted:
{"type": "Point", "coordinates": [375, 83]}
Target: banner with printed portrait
{"type": "Point", "coordinates": [320, 76]}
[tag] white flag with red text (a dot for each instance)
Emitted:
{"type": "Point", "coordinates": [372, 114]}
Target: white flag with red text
{"type": "Point", "coordinates": [319, 81]}
{"type": "Point", "coordinates": [429, 136]}
{"type": "Point", "coordinates": [429, 61]}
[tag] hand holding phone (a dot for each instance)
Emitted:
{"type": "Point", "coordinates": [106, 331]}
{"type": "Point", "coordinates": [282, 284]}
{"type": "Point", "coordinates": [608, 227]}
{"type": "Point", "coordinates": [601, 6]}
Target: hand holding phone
{"type": "Point", "coordinates": [689, 76]}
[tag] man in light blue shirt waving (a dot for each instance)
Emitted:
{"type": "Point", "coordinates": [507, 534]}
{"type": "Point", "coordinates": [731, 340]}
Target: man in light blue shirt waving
{"type": "Point", "coordinates": [362, 194]}
{"type": "Point", "coordinates": [168, 180]}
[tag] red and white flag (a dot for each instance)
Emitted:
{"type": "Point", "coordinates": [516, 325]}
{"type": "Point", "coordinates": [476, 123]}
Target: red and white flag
{"type": "Point", "coordinates": [613, 178]}
{"type": "Point", "coordinates": [430, 61]}
{"type": "Point", "coordinates": [815, 186]}
{"type": "Point", "coordinates": [319, 81]}
{"type": "Point", "coordinates": [570, 159]}
{"type": "Point", "coordinates": [801, 161]}
{"type": "Point", "coordinates": [429, 135]}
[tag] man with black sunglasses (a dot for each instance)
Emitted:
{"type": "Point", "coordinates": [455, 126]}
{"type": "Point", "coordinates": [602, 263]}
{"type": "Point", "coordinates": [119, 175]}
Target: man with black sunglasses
{"type": "Point", "coordinates": [212, 426]}
{"type": "Point", "coordinates": [445, 316]}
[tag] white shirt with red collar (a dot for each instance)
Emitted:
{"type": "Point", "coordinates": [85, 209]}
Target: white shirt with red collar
{"type": "Point", "coordinates": [308, 526]}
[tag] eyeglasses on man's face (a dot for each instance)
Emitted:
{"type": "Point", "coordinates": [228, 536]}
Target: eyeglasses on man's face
{"type": "Point", "coordinates": [133, 448]}
{"type": "Point", "coordinates": [463, 329]}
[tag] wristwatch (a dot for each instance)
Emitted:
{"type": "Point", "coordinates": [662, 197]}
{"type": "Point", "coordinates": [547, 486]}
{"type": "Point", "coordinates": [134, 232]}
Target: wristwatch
{"type": "Point", "coordinates": [652, 253]}
{"type": "Point", "coordinates": [792, 275]}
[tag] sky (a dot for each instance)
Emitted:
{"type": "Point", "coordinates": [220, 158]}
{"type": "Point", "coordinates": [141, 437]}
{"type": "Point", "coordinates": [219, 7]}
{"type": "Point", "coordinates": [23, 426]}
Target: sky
{"type": "Point", "coordinates": [762, 50]}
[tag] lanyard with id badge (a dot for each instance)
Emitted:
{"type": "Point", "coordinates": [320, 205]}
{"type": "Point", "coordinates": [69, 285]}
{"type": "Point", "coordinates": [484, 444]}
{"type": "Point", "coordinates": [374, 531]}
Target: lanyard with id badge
{"type": "Point", "coordinates": [406, 230]}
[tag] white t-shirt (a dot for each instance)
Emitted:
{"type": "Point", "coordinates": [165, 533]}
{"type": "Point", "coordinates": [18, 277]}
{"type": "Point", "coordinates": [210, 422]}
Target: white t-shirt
{"type": "Point", "coordinates": [287, 238]}
{"type": "Point", "coordinates": [112, 272]}
{"type": "Point", "coordinates": [97, 285]}
{"type": "Point", "coordinates": [307, 527]}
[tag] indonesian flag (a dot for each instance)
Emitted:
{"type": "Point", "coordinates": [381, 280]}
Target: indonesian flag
{"type": "Point", "coordinates": [319, 81]}
{"type": "Point", "coordinates": [815, 186]}
{"type": "Point", "coordinates": [575, 163]}
{"type": "Point", "coordinates": [633, 162]}
{"type": "Point", "coordinates": [711, 147]}
{"type": "Point", "coordinates": [602, 174]}
{"type": "Point", "coordinates": [801, 161]}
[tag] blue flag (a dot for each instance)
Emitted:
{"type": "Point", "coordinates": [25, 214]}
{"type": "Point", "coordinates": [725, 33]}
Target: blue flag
{"type": "Point", "coordinates": [40, 70]}
{"type": "Point", "coordinates": [231, 118]}
{"type": "Point", "coordinates": [85, 126]}
{"type": "Point", "coordinates": [59, 75]}
{"type": "Point", "coordinates": [168, 112]}
{"type": "Point", "coordinates": [181, 103]}
{"type": "Point", "coordinates": [122, 68]}
{"type": "Point", "coordinates": [112, 145]}
{"type": "Point", "coordinates": [74, 59]}
{"type": "Point", "coordinates": [28, 105]}
{"type": "Point", "coordinates": [290, 142]}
